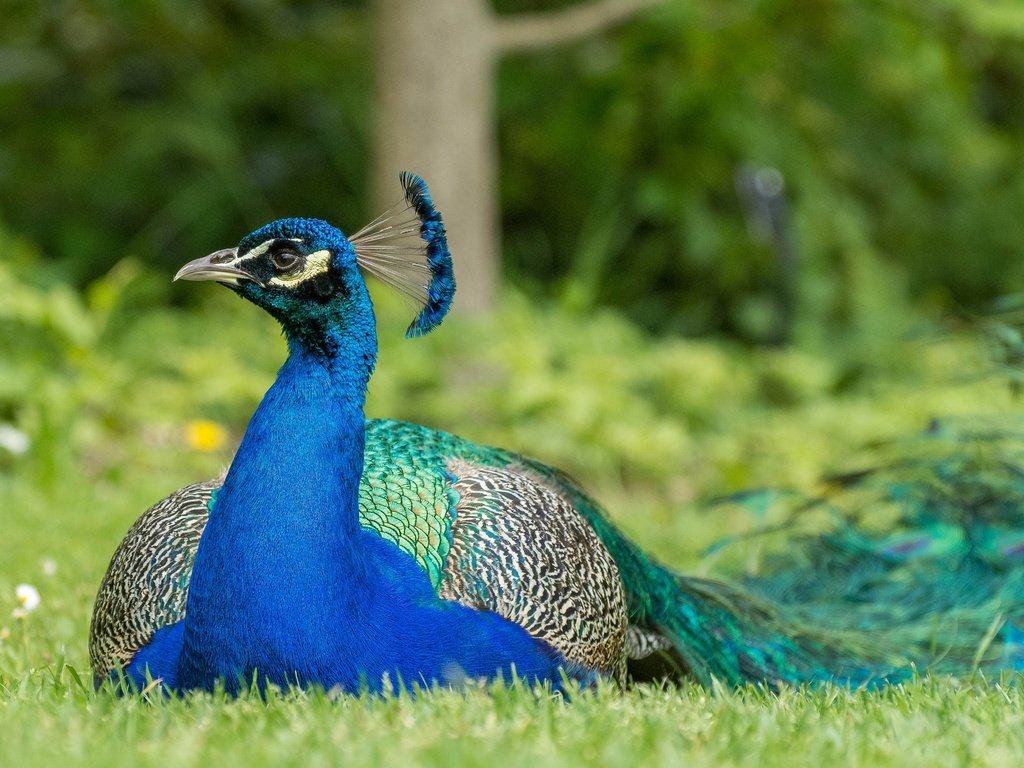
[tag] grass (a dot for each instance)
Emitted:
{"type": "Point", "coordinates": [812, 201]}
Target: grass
{"type": "Point", "coordinates": [50, 718]}
{"type": "Point", "coordinates": [107, 442]}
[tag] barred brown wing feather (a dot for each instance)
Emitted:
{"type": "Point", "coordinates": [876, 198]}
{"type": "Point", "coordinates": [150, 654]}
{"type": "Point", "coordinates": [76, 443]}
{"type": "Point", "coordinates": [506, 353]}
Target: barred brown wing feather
{"type": "Point", "coordinates": [146, 583]}
{"type": "Point", "coordinates": [521, 550]}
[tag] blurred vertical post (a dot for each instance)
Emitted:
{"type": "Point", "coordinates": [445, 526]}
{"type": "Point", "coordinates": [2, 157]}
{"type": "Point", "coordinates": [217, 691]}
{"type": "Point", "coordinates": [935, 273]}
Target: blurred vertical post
{"type": "Point", "coordinates": [762, 192]}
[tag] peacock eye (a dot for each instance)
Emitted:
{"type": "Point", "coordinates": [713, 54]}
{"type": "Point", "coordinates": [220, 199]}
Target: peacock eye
{"type": "Point", "coordinates": [285, 260]}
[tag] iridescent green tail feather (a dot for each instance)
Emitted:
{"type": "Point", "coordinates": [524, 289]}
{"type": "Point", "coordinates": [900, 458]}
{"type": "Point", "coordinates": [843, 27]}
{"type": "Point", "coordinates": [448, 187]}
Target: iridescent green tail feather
{"type": "Point", "coordinates": [915, 565]}
{"type": "Point", "coordinates": [922, 560]}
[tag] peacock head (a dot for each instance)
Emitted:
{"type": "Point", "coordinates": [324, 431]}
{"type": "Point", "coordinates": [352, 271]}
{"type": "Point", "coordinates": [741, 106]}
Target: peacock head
{"type": "Point", "coordinates": [306, 273]}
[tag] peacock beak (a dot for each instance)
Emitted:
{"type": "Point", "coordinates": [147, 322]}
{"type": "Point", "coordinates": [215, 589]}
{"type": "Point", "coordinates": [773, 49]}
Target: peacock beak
{"type": "Point", "coordinates": [221, 266]}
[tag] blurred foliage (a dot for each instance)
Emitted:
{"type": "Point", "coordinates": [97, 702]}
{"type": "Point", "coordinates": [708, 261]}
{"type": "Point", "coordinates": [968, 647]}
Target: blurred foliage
{"type": "Point", "coordinates": [139, 135]}
{"type": "Point", "coordinates": [896, 125]}
{"type": "Point", "coordinates": [160, 129]}
{"type": "Point", "coordinates": [113, 383]}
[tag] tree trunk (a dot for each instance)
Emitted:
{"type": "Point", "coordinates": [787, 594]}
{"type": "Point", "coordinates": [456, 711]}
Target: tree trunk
{"type": "Point", "coordinates": [435, 117]}
{"type": "Point", "coordinates": [435, 111]}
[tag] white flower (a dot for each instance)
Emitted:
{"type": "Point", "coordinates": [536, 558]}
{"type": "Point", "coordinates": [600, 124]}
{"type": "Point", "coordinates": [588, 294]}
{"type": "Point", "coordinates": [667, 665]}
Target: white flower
{"type": "Point", "coordinates": [19, 614]}
{"type": "Point", "coordinates": [14, 440]}
{"type": "Point", "coordinates": [49, 566]}
{"type": "Point", "coordinates": [28, 597]}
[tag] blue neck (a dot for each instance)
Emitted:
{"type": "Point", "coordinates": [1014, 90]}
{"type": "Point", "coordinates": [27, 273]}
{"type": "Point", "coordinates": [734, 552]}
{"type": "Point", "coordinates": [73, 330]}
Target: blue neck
{"type": "Point", "coordinates": [297, 469]}
{"type": "Point", "coordinates": [278, 556]}
{"type": "Point", "coordinates": [286, 584]}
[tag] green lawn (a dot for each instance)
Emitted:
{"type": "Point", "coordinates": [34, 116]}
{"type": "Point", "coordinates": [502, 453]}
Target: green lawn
{"type": "Point", "coordinates": [110, 419]}
{"type": "Point", "coordinates": [49, 719]}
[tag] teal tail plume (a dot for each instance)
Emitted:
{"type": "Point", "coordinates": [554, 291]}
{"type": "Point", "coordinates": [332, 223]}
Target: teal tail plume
{"type": "Point", "coordinates": [916, 564]}
{"type": "Point", "coordinates": [717, 631]}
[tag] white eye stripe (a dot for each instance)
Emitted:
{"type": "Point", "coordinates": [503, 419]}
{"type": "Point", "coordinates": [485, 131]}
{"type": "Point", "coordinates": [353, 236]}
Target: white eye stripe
{"type": "Point", "coordinates": [263, 247]}
{"type": "Point", "coordinates": [316, 264]}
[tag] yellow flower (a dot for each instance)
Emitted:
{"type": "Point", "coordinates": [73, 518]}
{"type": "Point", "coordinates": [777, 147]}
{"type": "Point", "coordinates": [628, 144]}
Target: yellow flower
{"type": "Point", "coordinates": [205, 435]}
{"type": "Point", "coordinates": [5, 634]}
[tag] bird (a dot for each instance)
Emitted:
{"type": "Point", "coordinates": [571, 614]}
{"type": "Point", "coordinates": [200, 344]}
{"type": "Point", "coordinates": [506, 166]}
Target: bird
{"type": "Point", "coordinates": [369, 555]}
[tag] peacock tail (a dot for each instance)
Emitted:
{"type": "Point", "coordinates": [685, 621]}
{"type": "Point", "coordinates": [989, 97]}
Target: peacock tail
{"type": "Point", "coordinates": [916, 561]}
{"type": "Point", "coordinates": [339, 551]}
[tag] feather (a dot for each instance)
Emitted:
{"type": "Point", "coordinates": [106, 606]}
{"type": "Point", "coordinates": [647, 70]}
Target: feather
{"type": "Point", "coordinates": [406, 248]}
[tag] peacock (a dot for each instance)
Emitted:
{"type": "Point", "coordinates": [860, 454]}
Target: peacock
{"type": "Point", "coordinates": [372, 555]}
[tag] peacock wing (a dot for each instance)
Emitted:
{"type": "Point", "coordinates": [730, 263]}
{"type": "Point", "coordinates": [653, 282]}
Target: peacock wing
{"type": "Point", "coordinates": [521, 550]}
{"type": "Point", "coordinates": [490, 529]}
{"type": "Point", "coordinates": [494, 534]}
{"type": "Point", "coordinates": [146, 583]}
